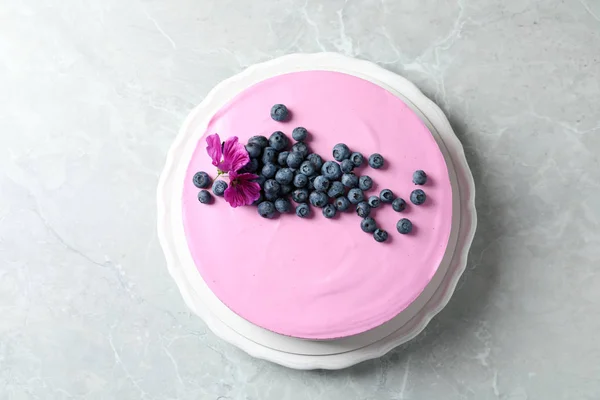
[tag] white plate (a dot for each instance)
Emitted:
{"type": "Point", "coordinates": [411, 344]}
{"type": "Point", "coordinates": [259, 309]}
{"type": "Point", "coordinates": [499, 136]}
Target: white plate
{"type": "Point", "coordinates": [288, 351]}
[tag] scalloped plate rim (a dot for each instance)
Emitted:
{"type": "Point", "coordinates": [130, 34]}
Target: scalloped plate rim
{"type": "Point", "coordinates": [457, 266]}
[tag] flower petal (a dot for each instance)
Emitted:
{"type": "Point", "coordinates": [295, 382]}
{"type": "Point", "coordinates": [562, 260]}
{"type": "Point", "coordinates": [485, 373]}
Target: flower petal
{"type": "Point", "coordinates": [246, 176]}
{"type": "Point", "coordinates": [235, 156]}
{"type": "Point", "coordinates": [242, 190]}
{"type": "Point", "coordinates": [214, 148]}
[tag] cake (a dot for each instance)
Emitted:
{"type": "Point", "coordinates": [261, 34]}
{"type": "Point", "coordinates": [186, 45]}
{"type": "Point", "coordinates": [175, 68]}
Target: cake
{"type": "Point", "coordinates": [322, 278]}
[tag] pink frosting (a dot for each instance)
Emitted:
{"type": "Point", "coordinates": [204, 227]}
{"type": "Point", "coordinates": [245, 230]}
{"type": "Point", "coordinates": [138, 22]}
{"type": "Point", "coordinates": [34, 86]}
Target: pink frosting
{"type": "Point", "coordinates": [320, 278]}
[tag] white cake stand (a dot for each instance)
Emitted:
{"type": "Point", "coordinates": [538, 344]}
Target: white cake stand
{"type": "Point", "coordinates": [289, 351]}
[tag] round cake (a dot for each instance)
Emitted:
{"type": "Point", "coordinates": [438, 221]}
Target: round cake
{"type": "Point", "coordinates": [320, 278]}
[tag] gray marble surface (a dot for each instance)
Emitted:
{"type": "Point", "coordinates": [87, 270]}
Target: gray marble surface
{"type": "Point", "coordinates": [93, 92]}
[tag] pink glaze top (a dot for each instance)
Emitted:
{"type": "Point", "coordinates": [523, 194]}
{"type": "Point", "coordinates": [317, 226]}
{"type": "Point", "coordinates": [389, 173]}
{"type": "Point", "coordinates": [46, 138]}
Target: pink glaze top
{"type": "Point", "coordinates": [318, 278]}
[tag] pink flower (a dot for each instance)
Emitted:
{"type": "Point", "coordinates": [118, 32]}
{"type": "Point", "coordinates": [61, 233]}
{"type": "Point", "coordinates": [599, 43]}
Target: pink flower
{"type": "Point", "coordinates": [242, 189]}
{"type": "Point", "coordinates": [229, 156]}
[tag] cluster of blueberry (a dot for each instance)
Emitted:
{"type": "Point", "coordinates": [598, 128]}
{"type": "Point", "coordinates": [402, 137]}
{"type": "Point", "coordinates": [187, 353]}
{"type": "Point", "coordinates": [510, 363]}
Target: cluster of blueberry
{"type": "Point", "coordinates": [202, 181]}
{"type": "Point", "coordinates": [332, 186]}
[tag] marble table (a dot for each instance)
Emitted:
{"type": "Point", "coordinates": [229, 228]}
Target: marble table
{"type": "Point", "coordinates": [93, 93]}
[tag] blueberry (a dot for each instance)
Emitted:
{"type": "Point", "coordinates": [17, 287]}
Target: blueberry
{"type": "Point", "coordinates": [272, 196]}
{"type": "Point", "coordinates": [286, 189]}
{"type": "Point", "coordinates": [316, 160]}
{"type": "Point", "coordinates": [300, 180]}
{"type": "Point", "coordinates": [399, 204]}
{"type": "Point", "coordinates": [350, 180]}
{"type": "Point", "coordinates": [204, 197]}
{"type": "Point", "coordinates": [252, 166]}
{"type": "Point", "coordinates": [301, 148]}
{"type": "Point", "coordinates": [404, 226]}
{"type": "Point", "coordinates": [363, 209]}
{"type": "Point", "coordinates": [282, 158]}
{"type": "Point", "coordinates": [380, 235]}
{"type": "Point", "coordinates": [279, 112]}
{"type": "Point", "coordinates": [269, 155]}
{"type": "Point", "coordinates": [219, 187]}
{"type": "Point", "coordinates": [269, 170]}
{"type": "Point", "coordinates": [260, 140]}
{"type": "Point", "coordinates": [302, 210]}
{"type": "Point", "coordinates": [365, 182]}
{"type": "Point", "coordinates": [266, 209]}
{"type": "Point", "coordinates": [368, 225]}
{"type": "Point", "coordinates": [272, 186]}
{"type": "Point", "coordinates": [336, 189]}
{"type": "Point", "coordinates": [283, 205]}
{"type": "Point", "coordinates": [329, 211]}
{"type": "Point", "coordinates": [374, 201]}
{"type": "Point", "coordinates": [419, 177]}
{"type": "Point", "coordinates": [253, 150]}
{"type": "Point", "coordinates": [376, 161]}
{"type": "Point", "coordinates": [342, 204]}
{"type": "Point", "coordinates": [331, 170]}
{"type": "Point", "coordinates": [294, 160]}
{"type": "Point", "coordinates": [321, 183]}
{"type": "Point", "coordinates": [284, 176]}
{"type": "Point", "coordinates": [300, 195]}
{"type": "Point", "coordinates": [346, 166]}
{"type": "Point", "coordinates": [418, 197]}
{"type": "Point", "coordinates": [318, 199]}
{"type": "Point", "coordinates": [386, 196]}
{"type": "Point", "coordinates": [307, 168]}
{"type": "Point", "coordinates": [299, 133]}
{"type": "Point", "coordinates": [340, 152]}
{"type": "Point", "coordinates": [311, 183]}
{"type": "Point", "coordinates": [201, 180]}
{"type": "Point", "coordinates": [260, 180]}
{"type": "Point", "coordinates": [357, 159]}
{"type": "Point", "coordinates": [355, 196]}
{"type": "Point", "coordinates": [278, 141]}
